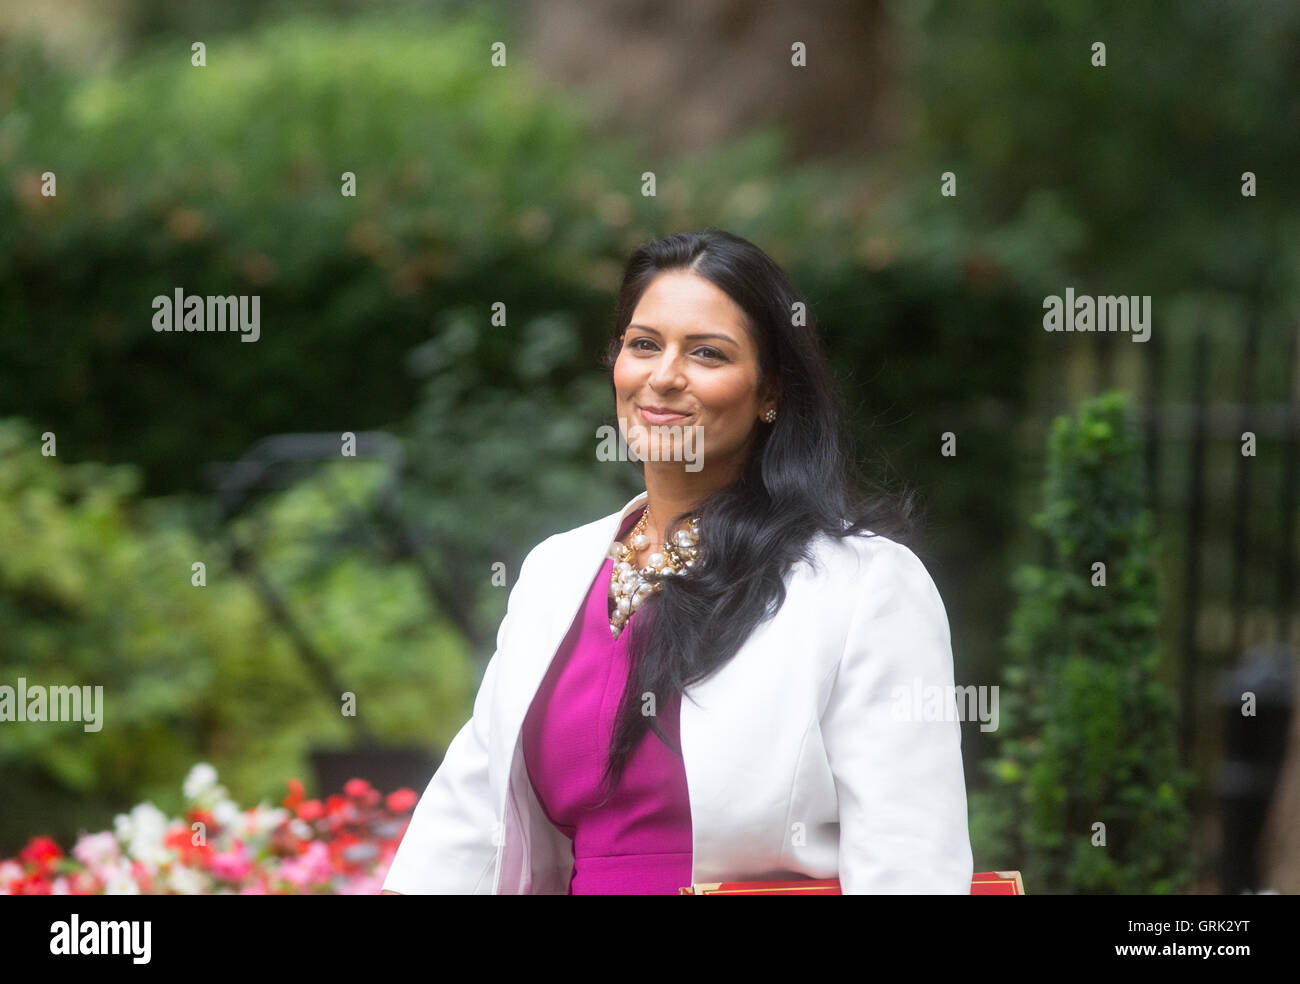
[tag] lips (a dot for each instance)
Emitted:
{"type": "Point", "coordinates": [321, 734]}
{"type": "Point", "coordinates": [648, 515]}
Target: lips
{"type": "Point", "coordinates": [662, 415]}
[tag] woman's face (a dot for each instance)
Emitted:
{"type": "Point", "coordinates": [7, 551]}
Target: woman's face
{"type": "Point", "coordinates": [687, 351]}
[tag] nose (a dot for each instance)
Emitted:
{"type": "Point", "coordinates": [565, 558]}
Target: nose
{"type": "Point", "coordinates": [667, 372]}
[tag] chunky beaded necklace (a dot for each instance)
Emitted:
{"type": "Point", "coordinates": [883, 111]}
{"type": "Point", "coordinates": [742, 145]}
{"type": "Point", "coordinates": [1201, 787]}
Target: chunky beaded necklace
{"type": "Point", "coordinates": [628, 586]}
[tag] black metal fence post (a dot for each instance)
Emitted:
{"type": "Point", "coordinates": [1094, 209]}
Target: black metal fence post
{"type": "Point", "coordinates": [1195, 531]}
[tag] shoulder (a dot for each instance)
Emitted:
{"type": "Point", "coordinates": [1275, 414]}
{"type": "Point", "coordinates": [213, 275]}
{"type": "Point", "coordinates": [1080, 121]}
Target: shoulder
{"type": "Point", "coordinates": [866, 554]}
{"type": "Point", "coordinates": [876, 574]}
{"type": "Point", "coordinates": [566, 543]}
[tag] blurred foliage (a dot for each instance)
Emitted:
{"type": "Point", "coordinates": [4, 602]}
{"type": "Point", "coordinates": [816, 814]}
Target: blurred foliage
{"type": "Point", "coordinates": [473, 188]}
{"type": "Point", "coordinates": [145, 21]}
{"type": "Point", "coordinates": [1144, 155]}
{"type": "Point", "coordinates": [1087, 730]}
{"type": "Point", "coordinates": [95, 589]}
{"type": "Point", "coordinates": [226, 179]}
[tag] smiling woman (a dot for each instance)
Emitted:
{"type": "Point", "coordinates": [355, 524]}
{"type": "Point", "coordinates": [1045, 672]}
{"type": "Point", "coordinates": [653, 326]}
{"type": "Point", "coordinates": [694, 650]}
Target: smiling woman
{"type": "Point", "coordinates": [688, 358]}
{"type": "Point", "coordinates": [756, 613]}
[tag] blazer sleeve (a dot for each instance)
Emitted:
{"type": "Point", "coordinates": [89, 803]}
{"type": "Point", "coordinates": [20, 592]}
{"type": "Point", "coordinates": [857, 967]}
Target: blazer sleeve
{"type": "Point", "coordinates": [898, 777]}
{"type": "Point", "coordinates": [450, 844]}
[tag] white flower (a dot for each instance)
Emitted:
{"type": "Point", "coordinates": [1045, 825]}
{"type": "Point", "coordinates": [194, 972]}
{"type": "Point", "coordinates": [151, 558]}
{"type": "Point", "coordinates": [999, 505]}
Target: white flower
{"type": "Point", "coordinates": [142, 833]}
{"type": "Point", "coordinates": [119, 881]}
{"type": "Point", "coordinates": [202, 778]}
{"type": "Point", "coordinates": [266, 818]}
{"type": "Point", "coordinates": [186, 881]}
{"type": "Point", "coordinates": [226, 813]}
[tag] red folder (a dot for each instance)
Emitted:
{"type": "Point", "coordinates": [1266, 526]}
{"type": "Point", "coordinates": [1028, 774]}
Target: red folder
{"type": "Point", "coordinates": [983, 883]}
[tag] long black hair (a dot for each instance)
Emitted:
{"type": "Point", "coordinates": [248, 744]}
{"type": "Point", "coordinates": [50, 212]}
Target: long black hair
{"type": "Point", "coordinates": [801, 478]}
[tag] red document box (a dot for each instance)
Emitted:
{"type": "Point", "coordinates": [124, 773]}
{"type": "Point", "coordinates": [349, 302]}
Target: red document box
{"type": "Point", "coordinates": [983, 883]}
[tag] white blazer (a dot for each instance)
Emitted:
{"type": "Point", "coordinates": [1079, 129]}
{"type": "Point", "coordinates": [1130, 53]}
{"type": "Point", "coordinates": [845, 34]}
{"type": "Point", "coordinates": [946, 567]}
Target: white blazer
{"type": "Point", "coordinates": [801, 756]}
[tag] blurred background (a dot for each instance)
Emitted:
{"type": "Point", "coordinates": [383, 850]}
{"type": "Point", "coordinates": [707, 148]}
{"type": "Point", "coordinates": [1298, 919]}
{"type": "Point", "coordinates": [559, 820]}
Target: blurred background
{"type": "Point", "coordinates": [824, 132]}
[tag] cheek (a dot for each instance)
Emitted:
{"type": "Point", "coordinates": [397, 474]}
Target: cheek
{"type": "Point", "coordinates": [726, 396]}
{"type": "Point", "coordinates": [624, 378]}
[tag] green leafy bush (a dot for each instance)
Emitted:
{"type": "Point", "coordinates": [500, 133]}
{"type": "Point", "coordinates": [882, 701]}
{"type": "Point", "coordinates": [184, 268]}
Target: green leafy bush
{"type": "Point", "coordinates": [96, 590]}
{"type": "Point", "coordinates": [1087, 728]}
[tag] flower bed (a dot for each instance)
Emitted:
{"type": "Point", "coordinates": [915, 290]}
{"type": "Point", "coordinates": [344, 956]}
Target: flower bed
{"type": "Point", "coordinates": [340, 846]}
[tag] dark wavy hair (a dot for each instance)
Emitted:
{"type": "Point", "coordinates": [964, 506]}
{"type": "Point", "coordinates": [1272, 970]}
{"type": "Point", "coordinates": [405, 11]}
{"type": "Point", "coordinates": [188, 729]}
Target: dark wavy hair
{"type": "Point", "coordinates": [801, 478]}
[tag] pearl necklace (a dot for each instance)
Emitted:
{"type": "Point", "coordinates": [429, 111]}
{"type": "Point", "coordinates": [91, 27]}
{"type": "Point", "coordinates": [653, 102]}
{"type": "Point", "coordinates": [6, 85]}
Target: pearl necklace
{"type": "Point", "coordinates": [628, 585]}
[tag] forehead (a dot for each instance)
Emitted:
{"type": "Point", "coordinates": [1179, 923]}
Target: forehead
{"type": "Point", "coordinates": [679, 303]}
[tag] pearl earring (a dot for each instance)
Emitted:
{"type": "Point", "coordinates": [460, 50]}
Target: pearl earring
{"type": "Point", "coordinates": [769, 415]}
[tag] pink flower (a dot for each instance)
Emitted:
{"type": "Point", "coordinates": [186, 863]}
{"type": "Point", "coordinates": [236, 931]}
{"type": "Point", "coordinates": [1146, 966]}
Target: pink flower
{"type": "Point", "coordinates": [312, 866]}
{"type": "Point", "coordinates": [96, 849]}
{"type": "Point", "coordinates": [362, 885]}
{"type": "Point", "coordinates": [143, 876]}
{"type": "Point", "coordinates": [84, 883]}
{"type": "Point", "coordinates": [10, 871]}
{"type": "Point", "coordinates": [232, 865]}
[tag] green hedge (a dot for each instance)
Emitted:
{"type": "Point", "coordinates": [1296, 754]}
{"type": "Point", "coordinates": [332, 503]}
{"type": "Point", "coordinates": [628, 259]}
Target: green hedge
{"type": "Point", "coordinates": [1087, 730]}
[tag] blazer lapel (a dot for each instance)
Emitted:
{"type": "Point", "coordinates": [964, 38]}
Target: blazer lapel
{"type": "Point", "coordinates": [566, 583]}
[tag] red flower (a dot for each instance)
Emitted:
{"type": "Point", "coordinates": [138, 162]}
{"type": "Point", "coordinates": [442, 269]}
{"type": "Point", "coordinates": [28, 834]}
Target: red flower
{"type": "Point", "coordinates": [33, 884]}
{"type": "Point", "coordinates": [356, 787]}
{"type": "Point", "coordinates": [310, 810]}
{"type": "Point", "coordinates": [337, 847]}
{"type": "Point", "coordinates": [296, 794]}
{"type": "Point", "coordinates": [181, 841]}
{"type": "Point", "coordinates": [402, 800]}
{"type": "Point", "coordinates": [176, 838]}
{"type": "Point", "coordinates": [41, 852]}
{"type": "Point", "coordinates": [359, 789]}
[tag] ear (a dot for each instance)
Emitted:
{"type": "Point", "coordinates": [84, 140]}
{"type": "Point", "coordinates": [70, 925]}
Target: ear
{"type": "Point", "coordinates": [772, 390]}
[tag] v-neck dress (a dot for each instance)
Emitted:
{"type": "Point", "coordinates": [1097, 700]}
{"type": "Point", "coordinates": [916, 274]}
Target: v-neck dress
{"type": "Point", "coordinates": [639, 841]}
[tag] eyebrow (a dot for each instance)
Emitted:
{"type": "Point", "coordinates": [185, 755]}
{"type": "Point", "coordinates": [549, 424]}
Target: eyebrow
{"type": "Point", "coordinates": [655, 331]}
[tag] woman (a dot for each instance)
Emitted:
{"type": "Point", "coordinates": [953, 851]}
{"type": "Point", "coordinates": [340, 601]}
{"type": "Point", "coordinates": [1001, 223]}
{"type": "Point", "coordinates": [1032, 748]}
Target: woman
{"type": "Point", "coordinates": [750, 579]}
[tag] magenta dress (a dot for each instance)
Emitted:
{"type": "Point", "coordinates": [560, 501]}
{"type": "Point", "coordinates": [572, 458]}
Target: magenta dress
{"type": "Point", "coordinates": [639, 842]}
